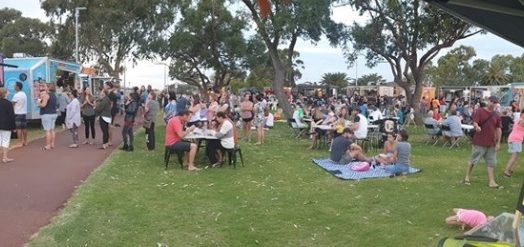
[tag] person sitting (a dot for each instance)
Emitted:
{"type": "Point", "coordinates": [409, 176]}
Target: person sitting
{"type": "Point", "coordinates": [401, 155]}
{"type": "Point", "coordinates": [431, 121]}
{"type": "Point", "coordinates": [375, 114]}
{"type": "Point", "coordinates": [386, 157]}
{"type": "Point", "coordinates": [455, 125]}
{"type": "Point", "coordinates": [175, 134]}
{"type": "Point", "coordinates": [360, 124]}
{"type": "Point", "coordinates": [225, 135]}
{"type": "Point", "coordinates": [343, 150]}
{"type": "Point", "coordinates": [298, 115]}
{"type": "Point", "coordinates": [330, 119]}
{"type": "Point", "coordinates": [269, 119]}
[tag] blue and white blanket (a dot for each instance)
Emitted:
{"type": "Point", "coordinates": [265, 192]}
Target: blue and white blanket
{"type": "Point", "coordinates": [346, 173]}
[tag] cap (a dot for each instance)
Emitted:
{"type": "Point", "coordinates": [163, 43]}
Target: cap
{"type": "Point", "coordinates": [494, 99]}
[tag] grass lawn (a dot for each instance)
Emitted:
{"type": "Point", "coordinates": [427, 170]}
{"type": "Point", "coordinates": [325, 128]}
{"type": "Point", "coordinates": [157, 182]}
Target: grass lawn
{"type": "Point", "coordinates": [279, 199]}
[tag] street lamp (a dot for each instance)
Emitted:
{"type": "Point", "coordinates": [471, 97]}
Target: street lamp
{"type": "Point", "coordinates": [166, 66]}
{"type": "Point", "coordinates": [77, 14]}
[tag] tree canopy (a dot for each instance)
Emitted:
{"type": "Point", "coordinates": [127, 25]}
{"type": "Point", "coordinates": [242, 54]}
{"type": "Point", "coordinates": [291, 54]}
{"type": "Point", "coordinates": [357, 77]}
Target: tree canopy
{"type": "Point", "coordinates": [406, 34]}
{"type": "Point", "coordinates": [338, 79]}
{"type": "Point", "coordinates": [21, 34]}
{"type": "Point", "coordinates": [113, 31]}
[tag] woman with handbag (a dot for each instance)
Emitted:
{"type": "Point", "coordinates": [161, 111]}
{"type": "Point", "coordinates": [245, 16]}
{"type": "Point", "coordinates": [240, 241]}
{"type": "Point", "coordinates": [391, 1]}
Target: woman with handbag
{"type": "Point", "coordinates": [72, 119]}
{"type": "Point", "coordinates": [151, 111]}
{"type": "Point", "coordinates": [7, 124]}
{"type": "Point", "coordinates": [103, 108]}
{"type": "Point", "coordinates": [88, 114]}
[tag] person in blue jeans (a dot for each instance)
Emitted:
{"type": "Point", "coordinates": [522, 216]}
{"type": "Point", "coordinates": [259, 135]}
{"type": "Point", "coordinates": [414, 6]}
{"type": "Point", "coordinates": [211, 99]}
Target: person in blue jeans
{"type": "Point", "coordinates": [401, 155]}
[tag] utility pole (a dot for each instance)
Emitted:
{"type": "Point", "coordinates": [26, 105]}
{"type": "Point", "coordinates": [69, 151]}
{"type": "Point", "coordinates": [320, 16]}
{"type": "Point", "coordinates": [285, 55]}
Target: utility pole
{"type": "Point", "coordinates": [77, 15]}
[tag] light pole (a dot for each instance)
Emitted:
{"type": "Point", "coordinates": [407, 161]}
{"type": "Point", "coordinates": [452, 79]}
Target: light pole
{"type": "Point", "coordinates": [77, 14]}
{"type": "Point", "coordinates": [165, 73]}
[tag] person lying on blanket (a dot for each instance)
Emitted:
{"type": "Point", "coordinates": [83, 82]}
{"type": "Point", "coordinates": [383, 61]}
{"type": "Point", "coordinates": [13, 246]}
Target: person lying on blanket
{"type": "Point", "coordinates": [401, 155]}
{"type": "Point", "coordinates": [343, 151]}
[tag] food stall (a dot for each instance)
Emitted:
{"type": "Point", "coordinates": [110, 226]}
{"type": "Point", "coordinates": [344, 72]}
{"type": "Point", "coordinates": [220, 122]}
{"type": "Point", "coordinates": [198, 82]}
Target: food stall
{"type": "Point", "coordinates": [34, 70]}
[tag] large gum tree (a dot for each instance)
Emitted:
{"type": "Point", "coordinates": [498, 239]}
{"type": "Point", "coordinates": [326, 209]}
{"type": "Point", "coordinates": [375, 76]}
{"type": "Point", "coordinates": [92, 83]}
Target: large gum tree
{"type": "Point", "coordinates": [281, 24]}
{"type": "Point", "coordinates": [408, 35]}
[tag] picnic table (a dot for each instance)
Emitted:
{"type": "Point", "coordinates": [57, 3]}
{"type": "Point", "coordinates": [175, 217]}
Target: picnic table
{"type": "Point", "coordinates": [467, 126]}
{"type": "Point", "coordinates": [201, 134]}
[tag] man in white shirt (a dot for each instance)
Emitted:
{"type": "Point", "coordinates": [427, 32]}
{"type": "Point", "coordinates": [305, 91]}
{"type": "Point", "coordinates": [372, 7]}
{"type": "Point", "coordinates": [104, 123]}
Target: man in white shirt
{"type": "Point", "coordinates": [375, 115]}
{"type": "Point", "coordinates": [226, 139]}
{"type": "Point", "coordinates": [360, 124]}
{"type": "Point", "coordinates": [20, 107]}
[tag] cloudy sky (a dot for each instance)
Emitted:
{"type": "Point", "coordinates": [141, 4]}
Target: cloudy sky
{"type": "Point", "coordinates": [318, 58]}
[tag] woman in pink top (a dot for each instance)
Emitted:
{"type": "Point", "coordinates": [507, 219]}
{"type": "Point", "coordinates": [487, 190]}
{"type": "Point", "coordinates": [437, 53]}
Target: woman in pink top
{"type": "Point", "coordinates": [467, 218]}
{"type": "Point", "coordinates": [515, 139]}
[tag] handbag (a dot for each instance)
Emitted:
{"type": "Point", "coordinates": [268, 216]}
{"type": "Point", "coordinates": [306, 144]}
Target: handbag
{"type": "Point", "coordinates": [472, 132]}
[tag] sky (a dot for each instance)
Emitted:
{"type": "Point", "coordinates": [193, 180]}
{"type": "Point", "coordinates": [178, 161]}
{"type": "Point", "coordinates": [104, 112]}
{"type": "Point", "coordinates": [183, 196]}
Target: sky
{"type": "Point", "coordinates": [318, 58]}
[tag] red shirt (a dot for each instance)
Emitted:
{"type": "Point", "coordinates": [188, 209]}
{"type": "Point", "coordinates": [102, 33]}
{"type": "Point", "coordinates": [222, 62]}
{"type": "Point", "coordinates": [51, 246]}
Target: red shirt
{"type": "Point", "coordinates": [486, 136]}
{"type": "Point", "coordinates": [173, 126]}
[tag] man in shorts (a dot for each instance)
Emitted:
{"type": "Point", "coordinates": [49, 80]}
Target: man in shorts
{"type": "Point", "coordinates": [175, 134]}
{"type": "Point", "coordinates": [486, 141]}
{"type": "Point", "coordinates": [344, 151]}
{"type": "Point", "coordinates": [20, 107]}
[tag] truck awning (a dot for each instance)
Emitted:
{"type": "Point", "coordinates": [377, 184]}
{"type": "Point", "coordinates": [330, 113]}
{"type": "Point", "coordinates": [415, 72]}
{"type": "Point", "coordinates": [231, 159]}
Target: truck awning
{"type": "Point", "coordinates": [504, 18]}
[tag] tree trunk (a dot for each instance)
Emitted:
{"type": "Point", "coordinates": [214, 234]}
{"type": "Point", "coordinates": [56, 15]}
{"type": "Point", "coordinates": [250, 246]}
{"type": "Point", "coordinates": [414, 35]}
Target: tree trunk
{"type": "Point", "coordinates": [413, 101]}
{"type": "Point", "coordinates": [278, 83]}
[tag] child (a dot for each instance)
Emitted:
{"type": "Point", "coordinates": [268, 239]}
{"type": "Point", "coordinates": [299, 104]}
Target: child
{"type": "Point", "coordinates": [515, 139]}
{"type": "Point", "coordinates": [467, 218]}
{"type": "Point", "coordinates": [401, 155]}
{"type": "Point", "coordinates": [389, 150]}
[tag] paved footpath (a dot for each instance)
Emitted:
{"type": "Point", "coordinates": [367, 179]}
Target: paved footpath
{"type": "Point", "coordinates": [38, 183]}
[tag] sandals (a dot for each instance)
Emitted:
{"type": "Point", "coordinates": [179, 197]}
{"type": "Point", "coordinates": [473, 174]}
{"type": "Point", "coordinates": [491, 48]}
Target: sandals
{"type": "Point", "coordinates": [498, 187]}
{"type": "Point", "coordinates": [466, 182]}
{"type": "Point", "coordinates": [508, 175]}
{"type": "Point", "coordinates": [7, 160]}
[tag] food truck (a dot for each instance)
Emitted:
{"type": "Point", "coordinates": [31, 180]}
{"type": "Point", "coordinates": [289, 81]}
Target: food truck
{"type": "Point", "coordinates": [34, 70]}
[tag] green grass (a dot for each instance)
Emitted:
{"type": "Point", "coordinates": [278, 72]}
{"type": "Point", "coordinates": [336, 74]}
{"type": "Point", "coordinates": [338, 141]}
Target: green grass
{"type": "Point", "coordinates": [279, 199]}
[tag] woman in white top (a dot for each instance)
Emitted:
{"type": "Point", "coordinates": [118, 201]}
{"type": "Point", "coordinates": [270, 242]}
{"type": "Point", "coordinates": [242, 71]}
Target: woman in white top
{"type": "Point", "coordinates": [72, 119]}
{"type": "Point", "coordinates": [195, 109]}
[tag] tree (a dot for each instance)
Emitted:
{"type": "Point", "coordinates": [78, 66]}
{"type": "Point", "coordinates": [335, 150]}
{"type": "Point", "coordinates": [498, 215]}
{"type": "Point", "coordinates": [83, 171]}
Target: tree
{"type": "Point", "coordinates": [397, 31]}
{"type": "Point", "coordinates": [286, 22]}
{"type": "Point", "coordinates": [497, 73]}
{"type": "Point", "coordinates": [517, 69]}
{"type": "Point", "coordinates": [206, 38]}
{"type": "Point", "coordinates": [453, 68]}
{"type": "Point", "coordinates": [113, 31]}
{"type": "Point", "coordinates": [338, 79]}
{"type": "Point", "coordinates": [371, 79]}
{"type": "Point", "coordinates": [21, 34]}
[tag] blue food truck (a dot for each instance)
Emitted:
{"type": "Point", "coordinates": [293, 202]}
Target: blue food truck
{"type": "Point", "coordinates": [34, 70]}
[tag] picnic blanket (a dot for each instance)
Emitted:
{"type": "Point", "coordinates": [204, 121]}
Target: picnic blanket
{"type": "Point", "coordinates": [346, 173]}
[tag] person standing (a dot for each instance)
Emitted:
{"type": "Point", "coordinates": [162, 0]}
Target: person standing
{"type": "Point", "coordinates": [72, 119]}
{"type": "Point", "coordinates": [63, 101]}
{"type": "Point", "coordinates": [246, 113]}
{"type": "Point", "coordinates": [103, 108]}
{"type": "Point", "coordinates": [486, 141]}
{"type": "Point", "coordinates": [20, 108]}
{"type": "Point", "coordinates": [88, 114]}
{"type": "Point", "coordinates": [515, 139]}
{"type": "Point", "coordinates": [113, 98]}
{"type": "Point", "coordinates": [48, 103]}
{"type": "Point", "coordinates": [152, 108]}
{"type": "Point", "coordinates": [259, 120]}
{"type": "Point", "coordinates": [131, 108]}
{"type": "Point", "coordinates": [7, 124]}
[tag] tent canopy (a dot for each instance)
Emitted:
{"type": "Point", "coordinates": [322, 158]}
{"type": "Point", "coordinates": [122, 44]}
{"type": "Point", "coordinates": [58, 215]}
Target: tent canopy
{"type": "Point", "coordinates": [504, 18]}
